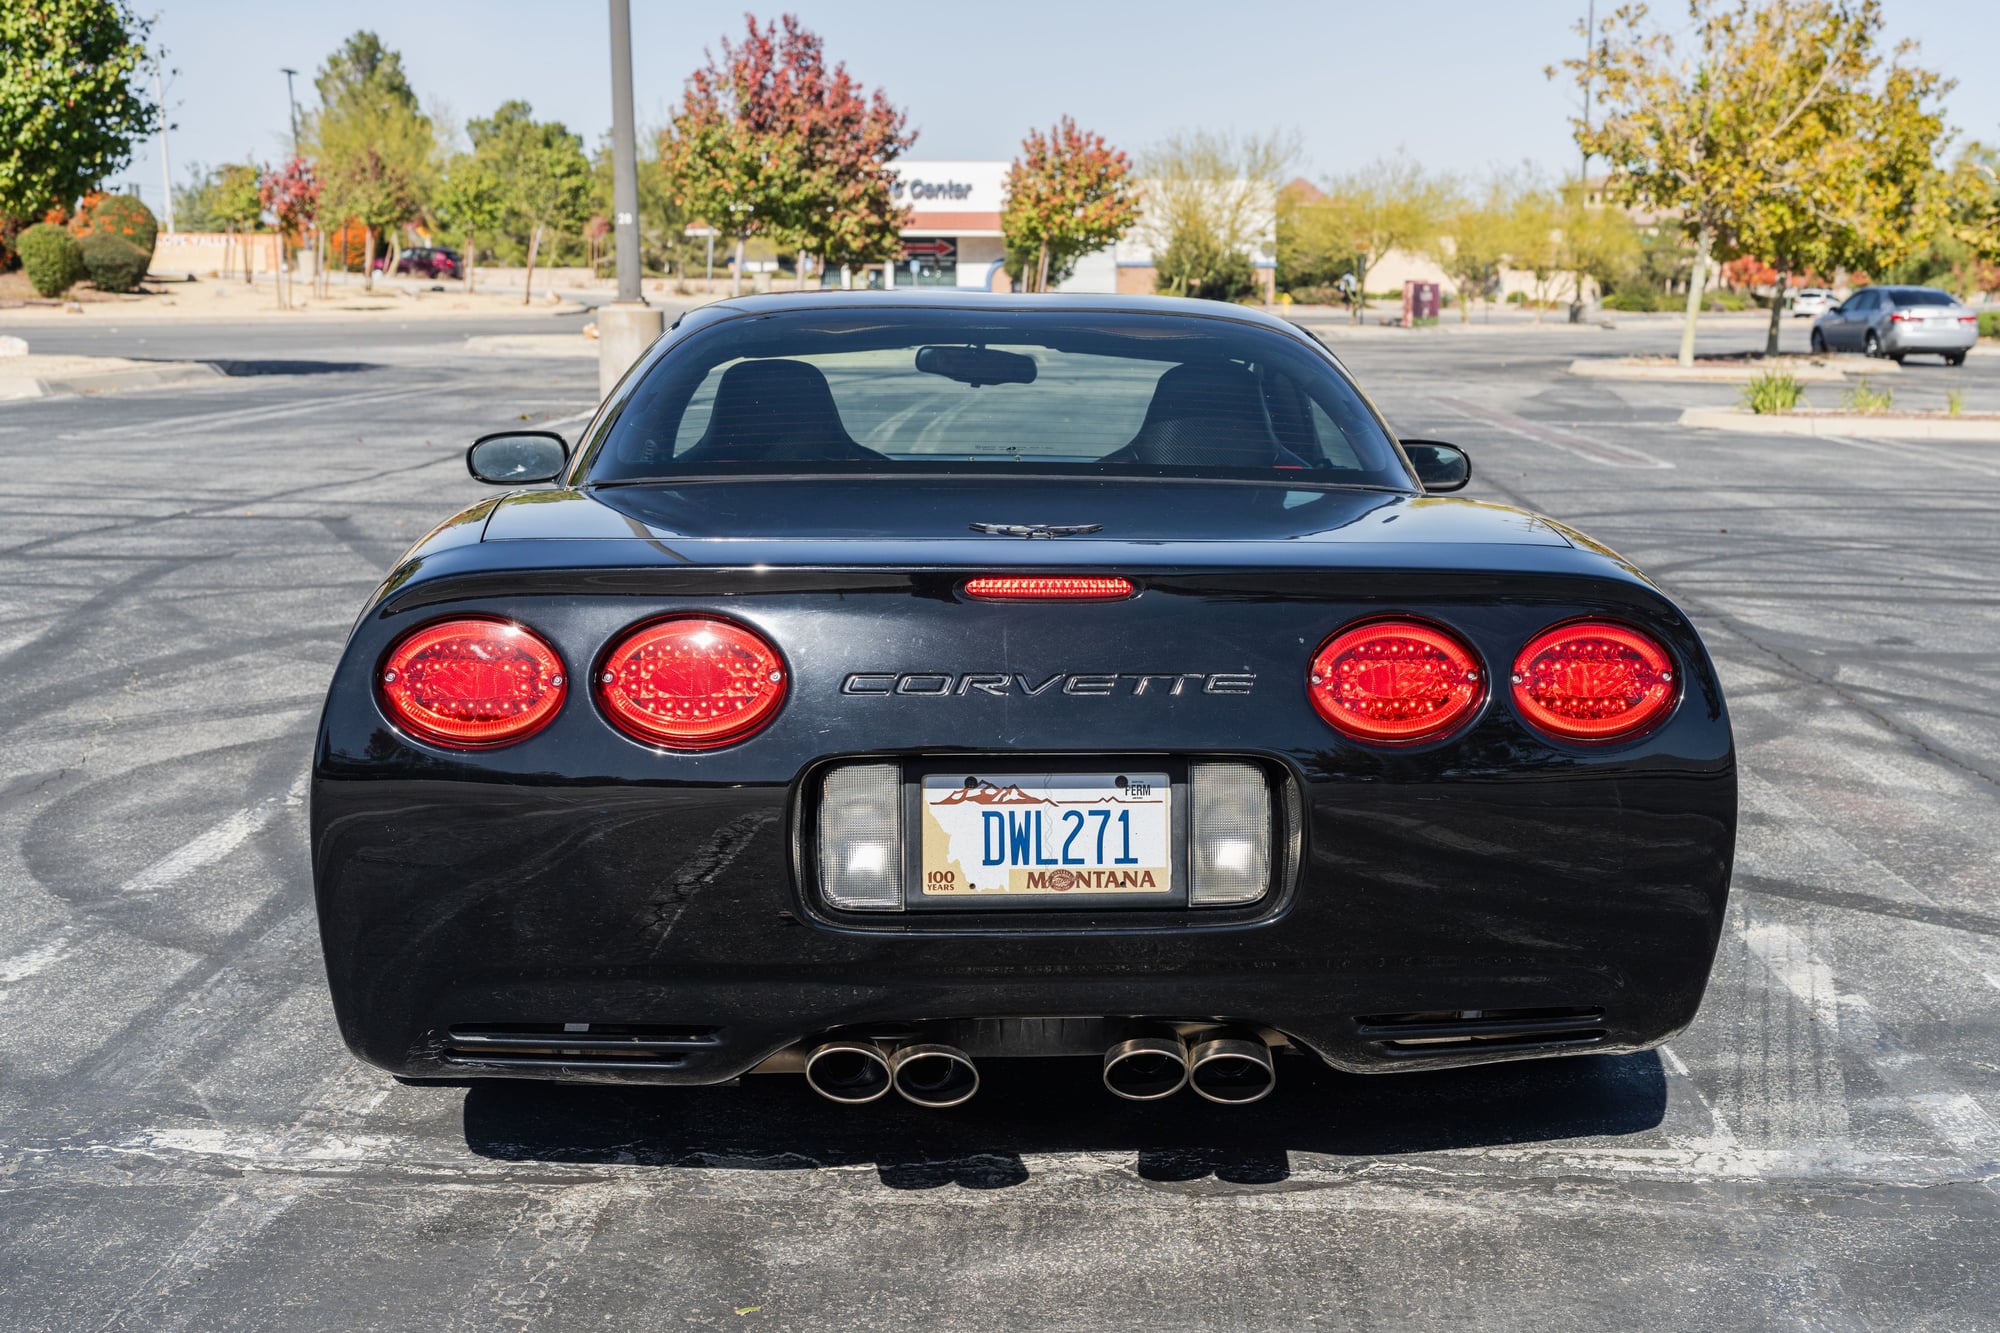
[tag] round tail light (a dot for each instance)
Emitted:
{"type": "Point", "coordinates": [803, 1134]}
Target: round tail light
{"type": "Point", "coordinates": [691, 683]}
{"type": "Point", "coordinates": [1593, 681]}
{"type": "Point", "coordinates": [1395, 680]}
{"type": "Point", "coordinates": [472, 683]}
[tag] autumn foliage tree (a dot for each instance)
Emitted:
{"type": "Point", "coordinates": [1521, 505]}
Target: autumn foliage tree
{"type": "Point", "coordinates": [770, 141]}
{"type": "Point", "coordinates": [290, 194]}
{"type": "Point", "coordinates": [1068, 193]}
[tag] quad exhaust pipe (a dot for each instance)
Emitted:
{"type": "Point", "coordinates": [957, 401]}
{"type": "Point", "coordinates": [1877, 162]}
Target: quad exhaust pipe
{"type": "Point", "coordinates": [1230, 1068]}
{"type": "Point", "coordinates": [855, 1072]}
{"type": "Point", "coordinates": [1146, 1069]}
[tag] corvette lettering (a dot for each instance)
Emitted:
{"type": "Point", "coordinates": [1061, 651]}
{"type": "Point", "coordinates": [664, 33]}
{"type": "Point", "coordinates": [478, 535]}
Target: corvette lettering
{"type": "Point", "coordinates": [945, 685]}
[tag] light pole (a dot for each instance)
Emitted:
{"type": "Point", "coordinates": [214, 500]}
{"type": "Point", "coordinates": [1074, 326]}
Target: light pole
{"type": "Point", "coordinates": [627, 326]}
{"type": "Point", "coordinates": [166, 166]}
{"type": "Point", "coordinates": [293, 98]}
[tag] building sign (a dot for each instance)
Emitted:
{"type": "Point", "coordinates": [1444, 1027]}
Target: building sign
{"type": "Point", "coordinates": [957, 189]}
{"type": "Point", "coordinates": [934, 248]}
{"type": "Point", "coordinates": [922, 189]}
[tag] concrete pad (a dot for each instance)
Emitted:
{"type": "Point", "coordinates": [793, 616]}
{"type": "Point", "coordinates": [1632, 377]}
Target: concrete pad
{"type": "Point", "coordinates": [1882, 426]}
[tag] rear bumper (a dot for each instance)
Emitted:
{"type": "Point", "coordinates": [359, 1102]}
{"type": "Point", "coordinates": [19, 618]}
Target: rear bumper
{"type": "Point", "coordinates": [1904, 338]}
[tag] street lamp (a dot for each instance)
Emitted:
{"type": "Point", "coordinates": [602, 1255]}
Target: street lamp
{"type": "Point", "coordinates": [626, 327]}
{"type": "Point", "coordinates": [292, 97]}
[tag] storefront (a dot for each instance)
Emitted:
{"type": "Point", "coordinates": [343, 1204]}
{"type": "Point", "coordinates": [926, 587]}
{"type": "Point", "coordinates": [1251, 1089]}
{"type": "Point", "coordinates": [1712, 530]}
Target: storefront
{"type": "Point", "coordinates": [953, 236]}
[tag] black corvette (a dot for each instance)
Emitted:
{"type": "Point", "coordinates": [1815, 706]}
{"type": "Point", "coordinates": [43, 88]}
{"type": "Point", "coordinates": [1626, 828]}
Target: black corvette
{"type": "Point", "coordinates": [888, 684]}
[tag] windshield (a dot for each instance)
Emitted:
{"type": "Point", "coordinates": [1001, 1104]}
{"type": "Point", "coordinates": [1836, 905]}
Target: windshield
{"type": "Point", "coordinates": [849, 390]}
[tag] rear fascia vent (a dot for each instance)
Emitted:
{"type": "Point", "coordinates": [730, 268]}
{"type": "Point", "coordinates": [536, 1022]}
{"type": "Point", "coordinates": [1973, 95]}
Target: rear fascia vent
{"type": "Point", "coordinates": [577, 1045]}
{"type": "Point", "coordinates": [1449, 1031]}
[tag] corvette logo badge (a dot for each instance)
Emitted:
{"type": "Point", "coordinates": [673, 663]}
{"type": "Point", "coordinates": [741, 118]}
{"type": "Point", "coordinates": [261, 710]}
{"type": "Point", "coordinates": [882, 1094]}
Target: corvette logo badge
{"type": "Point", "coordinates": [945, 684]}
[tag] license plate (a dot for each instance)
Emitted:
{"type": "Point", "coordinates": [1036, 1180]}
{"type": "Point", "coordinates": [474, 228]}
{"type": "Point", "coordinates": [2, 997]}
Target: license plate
{"type": "Point", "coordinates": [1031, 835]}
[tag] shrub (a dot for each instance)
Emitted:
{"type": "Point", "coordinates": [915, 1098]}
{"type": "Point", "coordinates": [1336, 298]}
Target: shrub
{"type": "Point", "coordinates": [118, 215]}
{"type": "Point", "coordinates": [51, 257]}
{"type": "Point", "coordinates": [1862, 398]}
{"type": "Point", "coordinates": [114, 263]}
{"type": "Point", "coordinates": [1773, 391]}
{"type": "Point", "coordinates": [1989, 323]}
{"type": "Point", "coordinates": [1726, 300]}
{"type": "Point", "coordinates": [1954, 402]}
{"type": "Point", "coordinates": [1195, 263]}
{"type": "Point", "coordinates": [1632, 300]}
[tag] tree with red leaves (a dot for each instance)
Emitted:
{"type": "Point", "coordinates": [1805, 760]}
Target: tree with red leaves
{"type": "Point", "coordinates": [1068, 193]}
{"type": "Point", "coordinates": [291, 195]}
{"type": "Point", "coordinates": [770, 141]}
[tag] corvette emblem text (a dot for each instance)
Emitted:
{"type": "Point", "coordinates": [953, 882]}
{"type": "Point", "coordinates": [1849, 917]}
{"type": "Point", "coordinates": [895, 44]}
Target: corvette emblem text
{"type": "Point", "coordinates": [942, 685]}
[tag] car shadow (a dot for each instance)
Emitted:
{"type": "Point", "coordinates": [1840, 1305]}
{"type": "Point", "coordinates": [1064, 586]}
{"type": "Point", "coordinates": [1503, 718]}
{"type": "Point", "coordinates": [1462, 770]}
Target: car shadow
{"type": "Point", "coordinates": [240, 369]}
{"type": "Point", "coordinates": [1056, 1106]}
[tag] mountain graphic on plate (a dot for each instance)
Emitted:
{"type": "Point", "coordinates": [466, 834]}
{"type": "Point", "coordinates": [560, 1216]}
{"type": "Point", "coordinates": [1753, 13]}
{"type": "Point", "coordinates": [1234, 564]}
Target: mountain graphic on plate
{"type": "Point", "coordinates": [988, 794]}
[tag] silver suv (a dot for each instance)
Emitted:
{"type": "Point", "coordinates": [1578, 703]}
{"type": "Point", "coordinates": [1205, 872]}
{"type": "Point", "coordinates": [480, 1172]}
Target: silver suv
{"type": "Point", "coordinates": [1896, 321]}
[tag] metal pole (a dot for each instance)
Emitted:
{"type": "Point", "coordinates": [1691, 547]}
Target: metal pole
{"type": "Point", "coordinates": [624, 153]}
{"type": "Point", "coordinates": [166, 166]}
{"type": "Point", "coordinates": [293, 98]}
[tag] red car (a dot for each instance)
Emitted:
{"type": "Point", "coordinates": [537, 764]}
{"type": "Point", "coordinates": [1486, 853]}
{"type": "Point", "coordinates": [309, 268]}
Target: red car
{"type": "Point", "coordinates": [425, 261]}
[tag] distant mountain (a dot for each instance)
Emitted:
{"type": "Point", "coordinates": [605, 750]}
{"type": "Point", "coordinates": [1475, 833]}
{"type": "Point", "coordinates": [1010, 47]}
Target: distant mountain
{"type": "Point", "coordinates": [989, 794]}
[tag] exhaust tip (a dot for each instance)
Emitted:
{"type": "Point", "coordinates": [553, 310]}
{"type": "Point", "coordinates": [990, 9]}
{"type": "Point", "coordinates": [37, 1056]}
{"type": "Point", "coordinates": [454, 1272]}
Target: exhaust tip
{"type": "Point", "coordinates": [852, 1072]}
{"type": "Point", "coordinates": [932, 1075]}
{"type": "Point", "coordinates": [1146, 1069]}
{"type": "Point", "coordinates": [1234, 1071]}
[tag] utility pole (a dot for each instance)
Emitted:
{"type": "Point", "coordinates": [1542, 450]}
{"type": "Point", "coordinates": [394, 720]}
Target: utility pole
{"type": "Point", "coordinates": [166, 166]}
{"type": "Point", "coordinates": [293, 98]}
{"type": "Point", "coordinates": [627, 326]}
{"type": "Point", "coordinates": [1583, 171]}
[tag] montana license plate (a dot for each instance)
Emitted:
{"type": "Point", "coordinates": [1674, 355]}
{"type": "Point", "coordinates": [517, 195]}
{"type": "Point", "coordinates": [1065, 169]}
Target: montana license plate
{"type": "Point", "coordinates": [1043, 834]}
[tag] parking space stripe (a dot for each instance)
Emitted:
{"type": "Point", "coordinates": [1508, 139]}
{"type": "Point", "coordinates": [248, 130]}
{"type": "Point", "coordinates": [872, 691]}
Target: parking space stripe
{"type": "Point", "coordinates": [1580, 446]}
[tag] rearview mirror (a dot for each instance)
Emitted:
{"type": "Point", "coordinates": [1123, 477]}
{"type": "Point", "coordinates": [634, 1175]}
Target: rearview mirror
{"type": "Point", "coordinates": [1439, 466]}
{"type": "Point", "coordinates": [517, 457]}
{"type": "Point", "coordinates": [976, 365]}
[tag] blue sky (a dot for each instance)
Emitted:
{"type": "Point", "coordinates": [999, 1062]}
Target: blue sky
{"type": "Point", "coordinates": [1456, 83]}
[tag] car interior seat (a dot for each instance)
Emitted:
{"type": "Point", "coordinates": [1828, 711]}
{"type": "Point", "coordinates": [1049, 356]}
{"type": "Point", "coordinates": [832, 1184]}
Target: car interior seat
{"type": "Point", "coordinates": [775, 411]}
{"type": "Point", "coordinates": [1207, 414]}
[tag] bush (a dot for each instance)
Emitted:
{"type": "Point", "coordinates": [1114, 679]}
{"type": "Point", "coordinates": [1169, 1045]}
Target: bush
{"type": "Point", "coordinates": [113, 263]}
{"type": "Point", "coordinates": [1989, 323]}
{"type": "Point", "coordinates": [1724, 299]}
{"type": "Point", "coordinates": [1773, 391]}
{"type": "Point", "coordinates": [51, 257]}
{"type": "Point", "coordinates": [1862, 398]}
{"type": "Point", "coordinates": [1632, 300]}
{"type": "Point", "coordinates": [1195, 263]}
{"type": "Point", "coordinates": [118, 215]}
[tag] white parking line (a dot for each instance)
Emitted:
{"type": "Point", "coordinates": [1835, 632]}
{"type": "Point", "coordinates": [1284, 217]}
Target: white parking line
{"type": "Point", "coordinates": [204, 420]}
{"type": "Point", "coordinates": [1581, 446]}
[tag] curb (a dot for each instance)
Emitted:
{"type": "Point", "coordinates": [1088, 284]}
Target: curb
{"type": "Point", "coordinates": [1807, 372]}
{"type": "Point", "coordinates": [1744, 422]}
{"type": "Point", "coordinates": [166, 375]}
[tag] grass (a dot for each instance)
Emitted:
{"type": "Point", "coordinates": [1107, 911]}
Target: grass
{"type": "Point", "coordinates": [1954, 402]}
{"type": "Point", "coordinates": [1989, 323]}
{"type": "Point", "coordinates": [1773, 391]}
{"type": "Point", "coordinates": [1866, 399]}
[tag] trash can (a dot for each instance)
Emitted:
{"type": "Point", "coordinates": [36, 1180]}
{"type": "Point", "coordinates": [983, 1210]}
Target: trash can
{"type": "Point", "coordinates": [1421, 302]}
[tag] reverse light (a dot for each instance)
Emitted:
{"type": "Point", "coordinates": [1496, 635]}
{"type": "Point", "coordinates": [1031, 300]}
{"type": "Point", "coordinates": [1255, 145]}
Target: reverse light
{"type": "Point", "coordinates": [861, 838]}
{"type": "Point", "coordinates": [1049, 588]}
{"type": "Point", "coordinates": [1593, 681]}
{"type": "Point", "coordinates": [691, 683]}
{"type": "Point", "coordinates": [1395, 680]}
{"type": "Point", "coordinates": [1229, 840]}
{"type": "Point", "coordinates": [472, 683]}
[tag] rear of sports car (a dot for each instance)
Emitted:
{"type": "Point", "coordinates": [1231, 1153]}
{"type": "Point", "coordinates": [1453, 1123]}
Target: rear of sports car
{"type": "Point", "coordinates": [623, 784]}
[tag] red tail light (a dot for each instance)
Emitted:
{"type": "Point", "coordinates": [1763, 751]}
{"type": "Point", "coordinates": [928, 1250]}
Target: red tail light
{"type": "Point", "coordinates": [1900, 318]}
{"type": "Point", "coordinates": [1593, 681]}
{"type": "Point", "coordinates": [692, 683]}
{"type": "Point", "coordinates": [1054, 588]}
{"type": "Point", "coordinates": [1395, 680]}
{"type": "Point", "coordinates": [472, 682]}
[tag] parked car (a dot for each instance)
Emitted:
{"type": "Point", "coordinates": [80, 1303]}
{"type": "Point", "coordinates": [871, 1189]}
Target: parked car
{"type": "Point", "coordinates": [890, 684]}
{"type": "Point", "coordinates": [1898, 321]}
{"type": "Point", "coordinates": [1812, 301]}
{"type": "Point", "coordinates": [430, 261]}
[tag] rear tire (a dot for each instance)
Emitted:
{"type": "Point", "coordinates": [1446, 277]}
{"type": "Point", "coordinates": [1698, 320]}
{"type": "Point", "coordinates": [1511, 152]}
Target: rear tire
{"type": "Point", "coordinates": [1818, 343]}
{"type": "Point", "coordinates": [1954, 358]}
{"type": "Point", "coordinates": [1871, 345]}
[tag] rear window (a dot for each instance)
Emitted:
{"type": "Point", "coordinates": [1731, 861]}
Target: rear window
{"type": "Point", "coordinates": [1921, 296]}
{"type": "Point", "coordinates": [1067, 392]}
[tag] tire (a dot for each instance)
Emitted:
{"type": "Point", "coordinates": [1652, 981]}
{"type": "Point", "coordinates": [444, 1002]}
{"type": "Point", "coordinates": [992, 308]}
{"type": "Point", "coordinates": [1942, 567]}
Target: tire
{"type": "Point", "coordinates": [1954, 358]}
{"type": "Point", "coordinates": [1871, 345]}
{"type": "Point", "coordinates": [1818, 343]}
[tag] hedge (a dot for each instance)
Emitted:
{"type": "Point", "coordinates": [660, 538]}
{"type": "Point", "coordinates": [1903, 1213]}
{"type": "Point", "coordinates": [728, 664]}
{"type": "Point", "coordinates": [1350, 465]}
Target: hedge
{"type": "Point", "coordinates": [114, 263]}
{"type": "Point", "coordinates": [53, 261]}
{"type": "Point", "coordinates": [118, 215]}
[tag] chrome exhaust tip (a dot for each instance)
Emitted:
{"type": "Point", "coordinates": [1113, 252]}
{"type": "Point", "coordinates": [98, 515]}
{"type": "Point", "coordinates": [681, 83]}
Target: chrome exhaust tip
{"type": "Point", "coordinates": [1234, 1071]}
{"type": "Point", "coordinates": [1146, 1069]}
{"type": "Point", "coordinates": [932, 1075]}
{"type": "Point", "coordinates": [852, 1072]}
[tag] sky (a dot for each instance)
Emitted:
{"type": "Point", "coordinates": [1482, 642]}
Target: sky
{"type": "Point", "coordinates": [1456, 84]}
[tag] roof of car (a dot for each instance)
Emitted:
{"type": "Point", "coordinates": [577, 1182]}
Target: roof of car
{"type": "Point", "coordinates": [958, 298]}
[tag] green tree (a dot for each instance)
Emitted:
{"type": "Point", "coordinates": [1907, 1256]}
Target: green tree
{"type": "Point", "coordinates": [544, 178]}
{"type": "Point", "coordinates": [375, 151]}
{"type": "Point", "coordinates": [1212, 199]}
{"type": "Point", "coordinates": [1776, 106]}
{"type": "Point", "coordinates": [470, 203]}
{"type": "Point", "coordinates": [1391, 204]}
{"type": "Point", "coordinates": [238, 208]}
{"type": "Point", "coordinates": [1471, 239]}
{"type": "Point", "coordinates": [70, 104]}
{"type": "Point", "coordinates": [1069, 193]}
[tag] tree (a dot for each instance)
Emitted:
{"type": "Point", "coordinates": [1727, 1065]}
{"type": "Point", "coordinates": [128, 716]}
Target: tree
{"type": "Point", "coordinates": [1591, 241]}
{"type": "Point", "coordinates": [1471, 240]}
{"type": "Point", "coordinates": [1212, 199]}
{"type": "Point", "coordinates": [1752, 137]}
{"type": "Point", "coordinates": [375, 151]}
{"type": "Point", "coordinates": [1391, 204]}
{"type": "Point", "coordinates": [769, 140]}
{"type": "Point", "coordinates": [70, 106]}
{"type": "Point", "coordinates": [238, 208]}
{"type": "Point", "coordinates": [290, 194]}
{"type": "Point", "coordinates": [470, 203]}
{"type": "Point", "coordinates": [1069, 193]}
{"type": "Point", "coordinates": [543, 176]}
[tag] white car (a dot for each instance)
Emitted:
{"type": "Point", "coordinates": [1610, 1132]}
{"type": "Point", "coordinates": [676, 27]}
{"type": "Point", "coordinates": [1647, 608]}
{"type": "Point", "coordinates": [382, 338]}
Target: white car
{"type": "Point", "coordinates": [1811, 301]}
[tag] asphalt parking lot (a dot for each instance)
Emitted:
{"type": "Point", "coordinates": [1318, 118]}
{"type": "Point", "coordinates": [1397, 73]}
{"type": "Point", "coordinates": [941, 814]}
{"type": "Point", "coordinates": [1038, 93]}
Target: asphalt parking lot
{"type": "Point", "coordinates": [185, 1144]}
